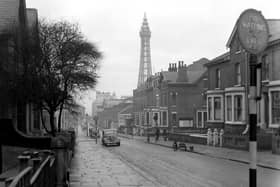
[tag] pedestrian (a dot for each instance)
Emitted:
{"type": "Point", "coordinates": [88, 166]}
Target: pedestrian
{"type": "Point", "coordinates": [157, 134]}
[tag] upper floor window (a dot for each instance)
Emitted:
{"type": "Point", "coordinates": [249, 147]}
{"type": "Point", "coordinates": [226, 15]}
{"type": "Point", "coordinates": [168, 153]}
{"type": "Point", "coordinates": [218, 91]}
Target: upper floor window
{"type": "Point", "coordinates": [173, 98]}
{"type": "Point", "coordinates": [237, 74]}
{"type": "Point", "coordinates": [205, 83]}
{"type": "Point", "coordinates": [265, 68]}
{"type": "Point", "coordinates": [218, 78]}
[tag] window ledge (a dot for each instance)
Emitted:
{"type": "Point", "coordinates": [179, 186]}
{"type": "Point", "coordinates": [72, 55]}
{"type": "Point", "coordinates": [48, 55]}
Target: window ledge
{"type": "Point", "coordinates": [236, 122]}
{"type": "Point", "coordinates": [215, 121]}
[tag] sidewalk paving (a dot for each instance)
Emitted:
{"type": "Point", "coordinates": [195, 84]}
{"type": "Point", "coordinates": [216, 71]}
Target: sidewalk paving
{"type": "Point", "coordinates": [94, 165]}
{"type": "Point", "coordinates": [265, 158]}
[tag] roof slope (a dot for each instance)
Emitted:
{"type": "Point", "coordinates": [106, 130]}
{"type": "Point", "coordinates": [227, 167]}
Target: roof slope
{"type": "Point", "coordinates": [9, 13]}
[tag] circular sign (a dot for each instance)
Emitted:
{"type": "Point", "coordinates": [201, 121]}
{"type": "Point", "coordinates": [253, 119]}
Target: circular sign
{"type": "Point", "coordinates": [252, 31]}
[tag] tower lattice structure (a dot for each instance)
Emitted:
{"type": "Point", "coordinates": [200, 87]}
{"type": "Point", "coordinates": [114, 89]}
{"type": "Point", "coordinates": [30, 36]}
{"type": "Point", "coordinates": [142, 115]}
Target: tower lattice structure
{"type": "Point", "coordinates": [145, 67]}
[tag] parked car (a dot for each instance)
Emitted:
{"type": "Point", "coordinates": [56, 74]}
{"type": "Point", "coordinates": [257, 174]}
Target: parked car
{"type": "Point", "coordinates": [110, 137]}
{"type": "Point", "coordinates": [111, 140]}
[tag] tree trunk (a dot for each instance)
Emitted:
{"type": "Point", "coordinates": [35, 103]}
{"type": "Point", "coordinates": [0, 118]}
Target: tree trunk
{"type": "Point", "coordinates": [59, 117]}
{"type": "Point", "coordinates": [43, 121]}
{"type": "Point", "coordinates": [52, 122]}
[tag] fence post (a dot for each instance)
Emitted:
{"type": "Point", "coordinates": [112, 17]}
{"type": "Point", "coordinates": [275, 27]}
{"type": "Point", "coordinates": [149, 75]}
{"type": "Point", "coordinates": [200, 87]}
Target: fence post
{"type": "Point", "coordinates": [60, 147]}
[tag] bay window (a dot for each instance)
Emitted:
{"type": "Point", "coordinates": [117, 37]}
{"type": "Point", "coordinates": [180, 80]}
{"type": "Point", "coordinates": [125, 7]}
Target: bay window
{"type": "Point", "coordinates": [209, 104]}
{"type": "Point", "coordinates": [238, 108]}
{"type": "Point", "coordinates": [229, 108]}
{"type": "Point", "coordinates": [235, 108]}
{"type": "Point", "coordinates": [215, 108]}
{"type": "Point", "coordinates": [274, 105]}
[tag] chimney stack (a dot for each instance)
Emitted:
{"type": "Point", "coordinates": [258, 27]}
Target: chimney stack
{"type": "Point", "coordinates": [182, 72]}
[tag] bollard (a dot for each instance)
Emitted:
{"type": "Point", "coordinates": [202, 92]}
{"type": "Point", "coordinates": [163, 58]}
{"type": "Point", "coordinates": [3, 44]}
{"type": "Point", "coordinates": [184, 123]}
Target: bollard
{"type": "Point", "coordinates": [209, 136]}
{"type": "Point", "coordinates": [215, 137]}
{"type": "Point", "coordinates": [221, 137]}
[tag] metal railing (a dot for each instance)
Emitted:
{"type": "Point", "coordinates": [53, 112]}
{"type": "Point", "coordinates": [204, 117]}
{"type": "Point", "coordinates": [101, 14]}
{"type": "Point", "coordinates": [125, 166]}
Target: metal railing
{"type": "Point", "coordinates": [41, 173]}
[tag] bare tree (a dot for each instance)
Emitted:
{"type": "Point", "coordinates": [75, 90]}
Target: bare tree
{"type": "Point", "coordinates": [54, 65]}
{"type": "Point", "coordinates": [69, 63]}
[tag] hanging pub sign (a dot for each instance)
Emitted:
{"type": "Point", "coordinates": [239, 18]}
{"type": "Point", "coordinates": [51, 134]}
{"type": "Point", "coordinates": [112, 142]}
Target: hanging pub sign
{"type": "Point", "coordinates": [252, 31]}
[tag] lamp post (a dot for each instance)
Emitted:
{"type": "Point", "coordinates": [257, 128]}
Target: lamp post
{"type": "Point", "coordinates": [252, 30]}
{"type": "Point", "coordinates": [96, 121]}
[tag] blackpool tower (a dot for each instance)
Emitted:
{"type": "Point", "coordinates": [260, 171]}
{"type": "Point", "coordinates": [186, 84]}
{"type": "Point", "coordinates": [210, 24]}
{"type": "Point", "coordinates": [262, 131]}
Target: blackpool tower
{"type": "Point", "coordinates": [145, 67]}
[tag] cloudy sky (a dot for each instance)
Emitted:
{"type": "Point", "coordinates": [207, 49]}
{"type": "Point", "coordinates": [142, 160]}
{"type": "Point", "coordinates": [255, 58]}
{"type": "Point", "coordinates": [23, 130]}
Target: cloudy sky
{"type": "Point", "coordinates": [181, 30]}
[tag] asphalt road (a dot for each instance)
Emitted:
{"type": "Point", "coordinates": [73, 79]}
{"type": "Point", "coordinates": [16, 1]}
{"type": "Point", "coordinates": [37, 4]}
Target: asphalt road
{"type": "Point", "coordinates": [186, 169]}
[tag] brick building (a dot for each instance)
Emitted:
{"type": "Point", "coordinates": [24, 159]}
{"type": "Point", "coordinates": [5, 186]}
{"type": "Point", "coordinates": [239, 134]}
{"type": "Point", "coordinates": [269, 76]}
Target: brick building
{"type": "Point", "coordinates": [227, 85]}
{"type": "Point", "coordinates": [17, 24]}
{"type": "Point", "coordinates": [175, 97]}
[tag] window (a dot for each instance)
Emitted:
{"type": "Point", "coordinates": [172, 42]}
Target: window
{"type": "Point", "coordinates": [217, 108]}
{"type": "Point", "coordinates": [147, 118]}
{"type": "Point", "coordinates": [265, 68]}
{"type": "Point", "coordinates": [205, 83]}
{"type": "Point", "coordinates": [164, 118]}
{"type": "Point", "coordinates": [235, 107]}
{"type": "Point", "coordinates": [201, 119]}
{"type": "Point", "coordinates": [209, 108]}
{"type": "Point", "coordinates": [237, 74]}
{"type": "Point", "coordinates": [218, 78]}
{"type": "Point", "coordinates": [174, 118]}
{"type": "Point", "coordinates": [229, 108]}
{"type": "Point", "coordinates": [173, 98]}
{"type": "Point", "coordinates": [275, 107]}
{"type": "Point", "coordinates": [238, 108]}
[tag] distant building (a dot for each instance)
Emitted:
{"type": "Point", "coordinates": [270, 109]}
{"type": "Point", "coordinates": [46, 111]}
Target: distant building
{"type": "Point", "coordinates": [145, 66]}
{"type": "Point", "coordinates": [174, 97]}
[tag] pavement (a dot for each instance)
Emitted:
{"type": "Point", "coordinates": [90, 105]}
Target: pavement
{"type": "Point", "coordinates": [94, 165]}
{"type": "Point", "coordinates": [265, 159]}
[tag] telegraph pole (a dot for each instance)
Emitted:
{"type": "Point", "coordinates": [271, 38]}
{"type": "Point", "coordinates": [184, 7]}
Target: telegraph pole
{"type": "Point", "coordinates": [252, 30]}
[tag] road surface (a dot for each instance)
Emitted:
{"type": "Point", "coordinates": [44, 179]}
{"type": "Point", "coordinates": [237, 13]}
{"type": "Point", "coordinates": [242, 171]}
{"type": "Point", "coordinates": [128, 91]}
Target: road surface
{"type": "Point", "coordinates": [186, 169]}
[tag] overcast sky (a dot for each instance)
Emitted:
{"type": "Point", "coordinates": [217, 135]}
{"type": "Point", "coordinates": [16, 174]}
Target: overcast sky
{"type": "Point", "coordinates": [181, 30]}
